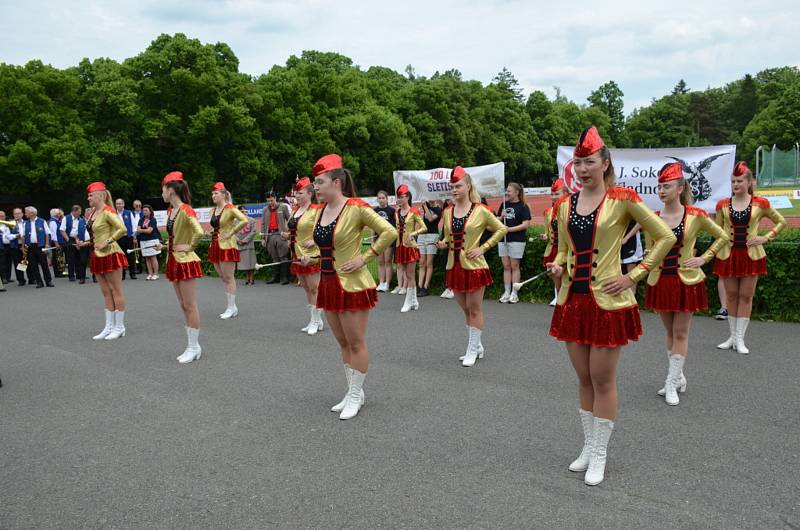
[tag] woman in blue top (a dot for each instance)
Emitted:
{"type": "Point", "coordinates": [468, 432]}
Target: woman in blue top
{"type": "Point", "coordinates": [516, 215]}
{"type": "Point", "coordinates": [149, 238]}
{"type": "Point", "coordinates": [385, 259]}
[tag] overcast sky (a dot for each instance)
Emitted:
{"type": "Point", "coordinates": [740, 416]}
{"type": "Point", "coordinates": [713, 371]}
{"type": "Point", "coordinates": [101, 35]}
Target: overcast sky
{"type": "Point", "coordinates": [644, 46]}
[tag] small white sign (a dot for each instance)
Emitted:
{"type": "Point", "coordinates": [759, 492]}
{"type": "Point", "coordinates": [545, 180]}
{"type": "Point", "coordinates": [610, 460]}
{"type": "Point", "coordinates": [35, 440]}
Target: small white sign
{"type": "Point", "coordinates": [780, 202]}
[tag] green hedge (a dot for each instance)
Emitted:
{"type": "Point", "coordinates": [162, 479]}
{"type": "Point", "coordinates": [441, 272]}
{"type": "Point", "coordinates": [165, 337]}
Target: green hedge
{"type": "Point", "coordinates": [777, 296]}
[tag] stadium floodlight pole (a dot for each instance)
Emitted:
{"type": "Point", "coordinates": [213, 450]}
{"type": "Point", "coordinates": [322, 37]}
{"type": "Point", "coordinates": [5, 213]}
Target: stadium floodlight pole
{"type": "Point", "coordinates": [759, 156]}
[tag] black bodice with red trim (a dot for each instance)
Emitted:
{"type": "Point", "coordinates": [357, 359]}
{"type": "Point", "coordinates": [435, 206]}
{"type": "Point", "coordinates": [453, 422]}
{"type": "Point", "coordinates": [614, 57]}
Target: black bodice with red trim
{"type": "Point", "coordinates": [323, 237]}
{"type": "Point", "coordinates": [581, 230]}
{"type": "Point", "coordinates": [670, 264]}
{"type": "Point", "coordinates": [292, 225]}
{"type": "Point", "coordinates": [740, 220]}
{"type": "Point", "coordinates": [170, 230]}
{"type": "Point", "coordinates": [457, 226]}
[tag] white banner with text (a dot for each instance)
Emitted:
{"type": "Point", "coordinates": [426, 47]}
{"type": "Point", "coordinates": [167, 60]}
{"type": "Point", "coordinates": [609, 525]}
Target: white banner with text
{"type": "Point", "coordinates": [707, 170]}
{"type": "Point", "coordinates": [434, 184]}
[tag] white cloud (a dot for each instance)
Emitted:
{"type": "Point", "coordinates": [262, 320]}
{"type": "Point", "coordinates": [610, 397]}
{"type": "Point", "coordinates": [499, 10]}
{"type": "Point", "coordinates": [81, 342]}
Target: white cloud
{"type": "Point", "coordinates": [645, 47]}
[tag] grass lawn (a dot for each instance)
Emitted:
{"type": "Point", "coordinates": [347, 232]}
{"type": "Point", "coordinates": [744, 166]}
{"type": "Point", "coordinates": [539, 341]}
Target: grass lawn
{"type": "Point", "coordinates": [793, 211]}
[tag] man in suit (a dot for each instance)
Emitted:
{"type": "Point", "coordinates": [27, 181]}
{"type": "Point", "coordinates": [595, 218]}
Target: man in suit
{"type": "Point", "coordinates": [36, 236]}
{"type": "Point", "coordinates": [71, 230]}
{"type": "Point", "coordinates": [127, 241]}
{"type": "Point", "coordinates": [14, 241]}
{"type": "Point", "coordinates": [136, 215]}
{"type": "Point", "coordinates": [57, 241]}
{"type": "Point", "coordinates": [5, 250]}
{"type": "Point", "coordinates": [274, 221]}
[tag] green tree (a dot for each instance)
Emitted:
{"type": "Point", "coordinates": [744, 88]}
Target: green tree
{"type": "Point", "coordinates": [44, 147]}
{"type": "Point", "coordinates": [505, 81]}
{"type": "Point", "coordinates": [680, 88]}
{"type": "Point", "coordinates": [608, 98]}
{"type": "Point", "coordinates": [667, 122]}
{"type": "Point", "coordinates": [778, 123]}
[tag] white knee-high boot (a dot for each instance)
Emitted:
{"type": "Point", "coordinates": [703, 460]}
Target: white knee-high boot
{"type": "Point", "coordinates": [480, 347]}
{"type": "Point", "coordinates": [348, 374]}
{"type": "Point", "coordinates": [311, 317]}
{"type": "Point", "coordinates": [109, 326]}
{"type": "Point", "coordinates": [410, 303]}
{"type": "Point", "coordinates": [681, 384]}
{"type": "Point", "coordinates": [193, 349]}
{"type": "Point", "coordinates": [354, 402]}
{"type": "Point", "coordinates": [472, 347]}
{"type": "Point", "coordinates": [673, 379]}
{"type": "Point", "coordinates": [313, 325]}
{"type": "Point", "coordinates": [318, 318]}
{"type": "Point", "coordinates": [232, 310]}
{"type": "Point", "coordinates": [119, 326]}
{"type": "Point", "coordinates": [587, 422]}
{"type": "Point", "coordinates": [741, 327]}
{"type": "Point", "coordinates": [731, 342]}
{"type": "Point", "coordinates": [601, 433]}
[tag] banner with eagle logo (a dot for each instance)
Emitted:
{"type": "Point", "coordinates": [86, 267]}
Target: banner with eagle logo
{"type": "Point", "coordinates": [706, 169]}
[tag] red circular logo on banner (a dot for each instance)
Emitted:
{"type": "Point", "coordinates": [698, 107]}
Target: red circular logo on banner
{"type": "Point", "coordinates": [573, 184]}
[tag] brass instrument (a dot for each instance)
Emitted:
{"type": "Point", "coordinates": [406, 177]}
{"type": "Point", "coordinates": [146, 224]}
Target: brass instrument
{"type": "Point", "coordinates": [22, 266]}
{"type": "Point", "coordinates": [136, 255]}
{"type": "Point", "coordinates": [60, 257]}
{"type": "Point", "coordinates": [10, 224]}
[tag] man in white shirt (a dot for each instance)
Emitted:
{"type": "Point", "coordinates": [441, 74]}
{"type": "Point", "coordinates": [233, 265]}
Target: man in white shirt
{"type": "Point", "coordinates": [127, 241]}
{"type": "Point", "coordinates": [5, 253]}
{"type": "Point", "coordinates": [57, 257]}
{"type": "Point", "coordinates": [5, 250]}
{"type": "Point", "coordinates": [14, 241]}
{"type": "Point", "coordinates": [36, 236]}
{"type": "Point", "coordinates": [136, 215]}
{"type": "Point", "coordinates": [69, 230]}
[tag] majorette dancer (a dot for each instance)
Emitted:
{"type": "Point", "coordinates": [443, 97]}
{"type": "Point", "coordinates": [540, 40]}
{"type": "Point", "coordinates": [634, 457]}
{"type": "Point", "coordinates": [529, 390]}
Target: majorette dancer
{"type": "Point", "coordinates": [301, 244]}
{"type": "Point", "coordinates": [677, 288]}
{"type": "Point", "coordinates": [107, 260]}
{"type": "Point", "coordinates": [183, 265]}
{"type": "Point", "coordinates": [226, 222]}
{"type": "Point", "coordinates": [744, 260]}
{"type": "Point", "coordinates": [409, 223]}
{"type": "Point", "coordinates": [467, 272]}
{"type": "Point", "coordinates": [596, 312]}
{"type": "Point", "coordinates": [346, 288]}
{"type": "Point", "coordinates": [557, 190]}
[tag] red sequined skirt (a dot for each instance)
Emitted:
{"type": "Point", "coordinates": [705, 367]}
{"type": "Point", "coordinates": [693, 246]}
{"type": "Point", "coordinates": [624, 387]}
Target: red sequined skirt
{"type": "Point", "coordinates": [107, 264]}
{"type": "Point", "coordinates": [405, 254]}
{"type": "Point", "coordinates": [303, 270]}
{"type": "Point", "coordinates": [671, 295]}
{"type": "Point", "coordinates": [739, 264]}
{"type": "Point", "coordinates": [217, 255]}
{"type": "Point", "coordinates": [582, 321]}
{"type": "Point", "coordinates": [178, 272]}
{"type": "Point", "coordinates": [332, 297]}
{"type": "Point", "coordinates": [464, 281]}
{"type": "Point", "coordinates": [550, 258]}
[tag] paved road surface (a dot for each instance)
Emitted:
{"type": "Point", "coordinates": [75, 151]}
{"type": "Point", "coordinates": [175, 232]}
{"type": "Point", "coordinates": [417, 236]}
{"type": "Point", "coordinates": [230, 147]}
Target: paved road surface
{"type": "Point", "coordinates": [119, 435]}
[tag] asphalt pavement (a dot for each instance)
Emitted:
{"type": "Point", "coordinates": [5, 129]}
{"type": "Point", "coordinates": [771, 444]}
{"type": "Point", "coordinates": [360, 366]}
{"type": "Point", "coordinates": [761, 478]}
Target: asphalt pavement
{"type": "Point", "coordinates": [117, 434]}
